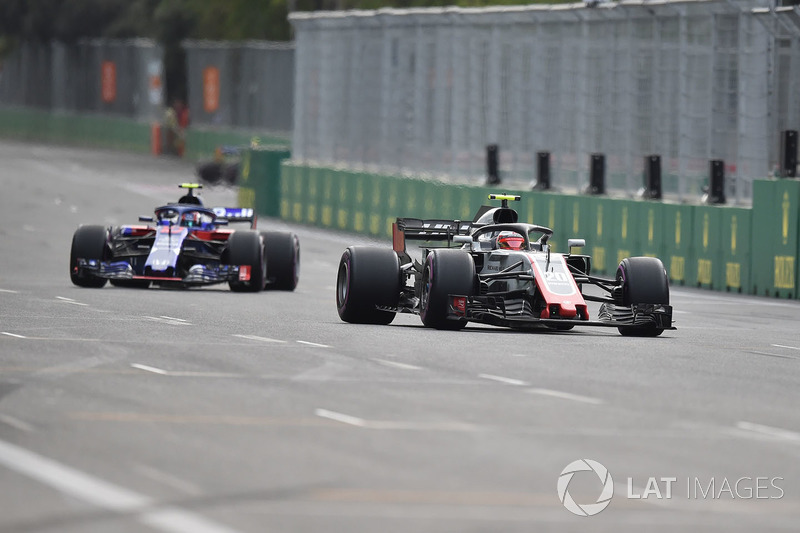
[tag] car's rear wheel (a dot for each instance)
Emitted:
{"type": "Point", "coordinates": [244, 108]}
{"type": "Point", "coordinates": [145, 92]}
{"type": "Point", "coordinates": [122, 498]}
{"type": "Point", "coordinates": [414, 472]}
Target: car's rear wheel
{"type": "Point", "coordinates": [283, 259]}
{"type": "Point", "coordinates": [368, 278]}
{"type": "Point", "coordinates": [90, 243]}
{"type": "Point", "coordinates": [246, 250]}
{"type": "Point", "coordinates": [446, 272]}
{"type": "Point", "coordinates": [643, 281]}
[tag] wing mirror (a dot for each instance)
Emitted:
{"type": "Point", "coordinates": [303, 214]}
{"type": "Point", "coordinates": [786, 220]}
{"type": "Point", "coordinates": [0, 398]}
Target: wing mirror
{"type": "Point", "coordinates": [145, 219]}
{"type": "Point", "coordinates": [221, 221]}
{"type": "Point", "coordinates": [575, 243]}
{"type": "Point", "coordinates": [462, 239]}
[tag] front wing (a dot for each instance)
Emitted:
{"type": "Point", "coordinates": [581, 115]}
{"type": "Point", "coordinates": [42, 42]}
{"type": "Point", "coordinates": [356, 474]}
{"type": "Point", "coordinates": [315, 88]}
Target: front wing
{"type": "Point", "coordinates": [492, 310]}
{"type": "Point", "coordinates": [197, 275]}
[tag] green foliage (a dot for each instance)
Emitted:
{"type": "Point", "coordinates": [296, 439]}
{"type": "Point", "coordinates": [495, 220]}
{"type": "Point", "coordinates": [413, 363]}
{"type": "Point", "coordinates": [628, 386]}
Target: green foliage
{"type": "Point", "coordinates": [171, 21]}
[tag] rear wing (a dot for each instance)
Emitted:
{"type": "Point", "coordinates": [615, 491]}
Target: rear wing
{"type": "Point", "coordinates": [237, 214]}
{"type": "Point", "coordinates": [418, 229]}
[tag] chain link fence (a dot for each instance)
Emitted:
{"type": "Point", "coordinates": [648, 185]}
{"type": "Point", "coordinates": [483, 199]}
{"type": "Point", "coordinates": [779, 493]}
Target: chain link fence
{"type": "Point", "coordinates": [243, 85]}
{"type": "Point", "coordinates": [120, 77]}
{"type": "Point", "coordinates": [424, 91]}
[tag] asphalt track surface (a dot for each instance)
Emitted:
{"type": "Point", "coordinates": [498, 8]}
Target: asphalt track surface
{"type": "Point", "coordinates": [212, 411]}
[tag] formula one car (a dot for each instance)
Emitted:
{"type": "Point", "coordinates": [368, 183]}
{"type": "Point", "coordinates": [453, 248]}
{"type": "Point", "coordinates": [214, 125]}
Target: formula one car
{"type": "Point", "coordinates": [186, 245]}
{"type": "Point", "coordinates": [502, 273]}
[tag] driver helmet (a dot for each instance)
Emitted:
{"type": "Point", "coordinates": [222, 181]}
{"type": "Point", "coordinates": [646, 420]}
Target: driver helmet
{"type": "Point", "coordinates": [191, 219]}
{"type": "Point", "coordinates": [510, 240]}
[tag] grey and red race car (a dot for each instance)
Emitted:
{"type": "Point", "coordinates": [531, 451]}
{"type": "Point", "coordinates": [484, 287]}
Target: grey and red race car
{"type": "Point", "coordinates": [497, 270]}
{"type": "Point", "coordinates": [187, 245]}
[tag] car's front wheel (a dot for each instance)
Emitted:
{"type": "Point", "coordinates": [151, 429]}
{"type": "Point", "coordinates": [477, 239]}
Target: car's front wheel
{"type": "Point", "coordinates": [446, 272]}
{"type": "Point", "coordinates": [89, 243]}
{"type": "Point", "coordinates": [643, 281]}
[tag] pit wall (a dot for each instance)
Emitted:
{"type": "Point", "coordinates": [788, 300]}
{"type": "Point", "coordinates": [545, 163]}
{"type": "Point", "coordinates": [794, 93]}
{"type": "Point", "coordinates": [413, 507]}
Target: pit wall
{"type": "Point", "coordinates": [743, 250]}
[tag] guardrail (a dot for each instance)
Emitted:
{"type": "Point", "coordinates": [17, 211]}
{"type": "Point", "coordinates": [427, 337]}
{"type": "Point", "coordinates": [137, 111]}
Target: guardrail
{"type": "Point", "coordinates": [746, 250]}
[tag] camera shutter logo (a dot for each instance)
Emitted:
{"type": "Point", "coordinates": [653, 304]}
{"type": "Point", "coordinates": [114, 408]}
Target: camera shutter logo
{"type": "Point", "coordinates": [588, 509]}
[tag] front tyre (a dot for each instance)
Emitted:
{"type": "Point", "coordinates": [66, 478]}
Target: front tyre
{"type": "Point", "coordinates": [89, 243]}
{"type": "Point", "coordinates": [245, 249]}
{"type": "Point", "coordinates": [643, 281]}
{"type": "Point", "coordinates": [283, 259]}
{"type": "Point", "coordinates": [446, 272]}
{"type": "Point", "coordinates": [368, 278]}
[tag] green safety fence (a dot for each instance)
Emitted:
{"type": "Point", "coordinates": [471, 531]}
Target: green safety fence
{"type": "Point", "coordinates": [735, 241]}
{"type": "Point", "coordinates": [774, 238]}
{"type": "Point", "coordinates": [203, 142]}
{"type": "Point", "coordinates": [678, 229]}
{"type": "Point", "coordinates": [260, 179]}
{"type": "Point", "coordinates": [747, 250]}
{"type": "Point", "coordinates": [707, 246]}
{"type": "Point", "coordinates": [75, 129]}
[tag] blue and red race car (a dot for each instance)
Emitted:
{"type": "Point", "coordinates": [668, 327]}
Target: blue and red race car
{"type": "Point", "coordinates": [186, 244]}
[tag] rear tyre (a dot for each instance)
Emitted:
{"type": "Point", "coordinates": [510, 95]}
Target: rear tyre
{"type": "Point", "coordinates": [131, 283]}
{"type": "Point", "coordinates": [644, 281]}
{"type": "Point", "coordinates": [88, 242]}
{"type": "Point", "coordinates": [446, 272]}
{"type": "Point", "coordinates": [368, 278]}
{"type": "Point", "coordinates": [283, 259]}
{"type": "Point", "coordinates": [245, 249]}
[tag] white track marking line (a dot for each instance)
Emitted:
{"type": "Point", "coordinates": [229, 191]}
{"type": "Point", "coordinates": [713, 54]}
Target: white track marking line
{"type": "Point", "coordinates": [423, 426]}
{"type": "Point", "coordinates": [340, 417]}
{"type": "Point", "coordinates": [13, 335]}
{"type": "Point", "coordinates": [314, 344]}
{"type": "Point", "coordinates": [194, 374]}
{"type": "Point", "coordinates": [172, 318]}
{"type": "Point", "coordinates": [16, 423]}
{"type": "Point", "coordinates": [257, 338]}
{"type": "Point", "coordinates": [171, 321]}
{"type": "Point", "coordinates": [781, 356]}
{"type": "Point", "coordinates": [395, 364]}
{"type": "Point", "coordinates": [103, 494]}
{"type": "Point", "coordinates": [9, 291]}
{"type": "Point", "coordinates": [168, 480]}
{"type": "Point", "coordinates": [501, 379]}
{"type": "Point", "coordinates": [566, 396]}
{"type": "Point", "coordinates": [784, 346]}
{"type": "Point", "coordinates": [69, 301]}
{"type": "Point", "coordinates": [152, 369]}
{"type": "Point", "coordinates": [778, 433]}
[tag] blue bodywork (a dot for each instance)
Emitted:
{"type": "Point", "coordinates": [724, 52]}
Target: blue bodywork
{"type": "Point", "coordinates": [185, 244]}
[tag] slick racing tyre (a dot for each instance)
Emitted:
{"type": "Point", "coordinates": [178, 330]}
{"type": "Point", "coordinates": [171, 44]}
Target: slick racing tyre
{"type": "Point", "coordinates": [644, 281]}
{"type": "Point", "coordinates": [245, 249]}
{"type": "Point", "coordinates": [88, 242]}
{"type": "Point", "coordinates": [446, 272]}
{"type": "Point", "coordinates": [368, 278]}
{"type": "Point", "coordinates": [283, 259]}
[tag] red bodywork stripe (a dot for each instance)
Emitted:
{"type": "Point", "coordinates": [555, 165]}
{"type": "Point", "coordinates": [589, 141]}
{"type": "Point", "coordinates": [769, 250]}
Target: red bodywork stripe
{"type": "Point", "coordinates": [398, 239]}
{"type": "Point", "coordinates": [216, 235]}
{"type": "Point", "coordinates": [568, 306]}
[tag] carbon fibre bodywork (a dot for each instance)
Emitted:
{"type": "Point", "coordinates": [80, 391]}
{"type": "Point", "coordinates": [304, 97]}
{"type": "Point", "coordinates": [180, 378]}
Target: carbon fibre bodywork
{"type": "Point", "coordinates": [464, 276]}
